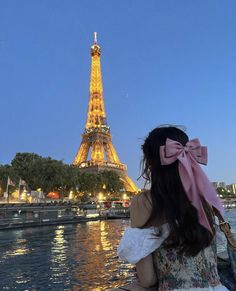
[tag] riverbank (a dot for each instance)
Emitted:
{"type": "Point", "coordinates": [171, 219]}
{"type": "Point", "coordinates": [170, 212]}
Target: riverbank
{"type": "Point", "coordinates": [14, 216]}
{"type": "Point", "coordinates": [22, 215]}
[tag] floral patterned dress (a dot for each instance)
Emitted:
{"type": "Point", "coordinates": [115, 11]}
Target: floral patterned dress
{"type": "Point", "coordinates": [177, 271]}
{"type": "Point", "coordinates": [174, 271]}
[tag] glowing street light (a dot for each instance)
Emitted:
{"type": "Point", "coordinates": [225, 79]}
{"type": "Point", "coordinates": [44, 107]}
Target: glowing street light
{"type": "Point", "coordinates": [100, 197]}
{"type": "Point", "coordinates": [71, 196]}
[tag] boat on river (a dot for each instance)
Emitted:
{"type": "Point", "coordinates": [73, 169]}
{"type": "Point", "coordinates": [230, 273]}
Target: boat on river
{"type": "Point", "coordinates": [229, 203]}
{"type": "Point", "coordinates": [117, 209]}
{"type": "Point", "coordinates": [20, 215]}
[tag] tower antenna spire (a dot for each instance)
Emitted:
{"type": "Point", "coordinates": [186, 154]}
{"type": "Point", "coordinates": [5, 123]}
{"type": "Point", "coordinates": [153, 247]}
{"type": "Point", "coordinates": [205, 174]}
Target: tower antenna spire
{"type": "Point", "coordinates": [95, 37]}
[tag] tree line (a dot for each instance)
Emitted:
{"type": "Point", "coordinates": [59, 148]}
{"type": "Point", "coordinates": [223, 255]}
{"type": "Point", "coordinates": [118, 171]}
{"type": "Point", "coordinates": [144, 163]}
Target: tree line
{"type": "Point", "coordinates": [224, 193]}
{"type": "Point", "coordinates": [53, 175]}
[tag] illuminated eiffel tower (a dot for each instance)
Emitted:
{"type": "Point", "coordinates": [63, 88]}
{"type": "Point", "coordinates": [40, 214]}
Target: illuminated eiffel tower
{"type": "Point", "coordinates": [96, 152]}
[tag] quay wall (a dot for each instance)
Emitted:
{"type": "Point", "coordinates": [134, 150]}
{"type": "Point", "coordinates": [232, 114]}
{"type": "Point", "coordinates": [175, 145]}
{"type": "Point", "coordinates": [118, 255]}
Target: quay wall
{"type": "Point", "coordinates": [42, 214]}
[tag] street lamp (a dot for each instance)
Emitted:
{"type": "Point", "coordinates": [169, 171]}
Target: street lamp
{"type": "Point", "coordinates": [71, 195]}
{"type": "Point", "coordinates": [100, 197]}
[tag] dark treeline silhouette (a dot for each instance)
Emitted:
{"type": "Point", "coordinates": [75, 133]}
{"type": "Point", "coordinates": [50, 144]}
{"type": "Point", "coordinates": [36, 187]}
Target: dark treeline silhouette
{"type": "Point", "coordinates": [53, 175]}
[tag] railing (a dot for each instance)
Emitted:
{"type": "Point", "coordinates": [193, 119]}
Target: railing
{"type": "Point", "coordinates": [103, 164]}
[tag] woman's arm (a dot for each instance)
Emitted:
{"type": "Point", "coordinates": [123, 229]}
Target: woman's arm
{"type": "Point", "coordinates": [146, 273]}
{"type": "Point", "coordinates": [140, 210]}
{"type": "Point", "coordinates": [139, 213]}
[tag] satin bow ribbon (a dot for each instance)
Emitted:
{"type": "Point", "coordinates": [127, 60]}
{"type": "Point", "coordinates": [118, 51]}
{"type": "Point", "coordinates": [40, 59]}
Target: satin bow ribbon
{"type": "Point", "coordinates": [194, 180]}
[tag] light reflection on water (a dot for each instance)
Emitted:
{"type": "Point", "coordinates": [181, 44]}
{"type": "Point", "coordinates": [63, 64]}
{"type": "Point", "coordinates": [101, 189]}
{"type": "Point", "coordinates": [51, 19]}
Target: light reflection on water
{"type": "Point", "coordinates": [67, 257]}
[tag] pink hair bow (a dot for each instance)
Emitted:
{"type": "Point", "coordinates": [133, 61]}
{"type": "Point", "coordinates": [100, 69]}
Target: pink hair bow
{"type": "Point", "coordinates": [194, 180]}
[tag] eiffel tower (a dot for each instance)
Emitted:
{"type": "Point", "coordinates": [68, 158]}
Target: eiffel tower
{"type": "Point", "coordinates": [96, 152]}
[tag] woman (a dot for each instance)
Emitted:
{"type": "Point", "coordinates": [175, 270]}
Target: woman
{"type": "Point", "coordinates": [172, 237]}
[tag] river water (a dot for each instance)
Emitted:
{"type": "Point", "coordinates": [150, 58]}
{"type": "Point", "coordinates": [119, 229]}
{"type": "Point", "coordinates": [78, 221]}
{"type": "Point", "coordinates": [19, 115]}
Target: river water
{"type": "Point", "coordinates": [67, 257]}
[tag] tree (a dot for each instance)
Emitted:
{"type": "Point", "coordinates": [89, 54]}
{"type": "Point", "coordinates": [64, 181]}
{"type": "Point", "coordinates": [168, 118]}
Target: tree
{"type": "Point", "coordinates": [47, 174]}
{"type": "Point", "coordinates": [5, 172]}
{"type": "Point", "coordinates": [38, 172]}
{"type": "Point", "coordinates": [110, 182]}
{"type": "Point", "coordinates": [223, 192]}
{"type": "Point", "coordinates": [70, 179]}
{"type": "Point", "coordinates": [88, 182]}
{"type": "Point", "coordinates": [22, 164]}
{"type": "Point", "coordinates": [53, 175]}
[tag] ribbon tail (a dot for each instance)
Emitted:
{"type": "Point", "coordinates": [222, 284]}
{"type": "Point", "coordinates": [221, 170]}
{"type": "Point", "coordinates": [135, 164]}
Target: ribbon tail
{"type": "Point", "coordinates": [190, 179]}
{"type": "Point", "coordinates": [207, 190]}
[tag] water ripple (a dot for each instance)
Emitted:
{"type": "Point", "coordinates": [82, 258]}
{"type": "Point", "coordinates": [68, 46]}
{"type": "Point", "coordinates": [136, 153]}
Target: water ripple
{"type": "Point", "coordinates": [67, 257]}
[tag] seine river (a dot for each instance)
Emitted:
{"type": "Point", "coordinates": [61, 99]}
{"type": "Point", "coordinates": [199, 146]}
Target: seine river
{"type": "Point", "coordinates": [66, 257]}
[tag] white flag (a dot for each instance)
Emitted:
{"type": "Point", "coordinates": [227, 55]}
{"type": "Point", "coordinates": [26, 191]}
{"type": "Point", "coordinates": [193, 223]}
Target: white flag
{"type": "Point", "coordinates": [22, 182]}
{"type": "Point", "coordinates": [9, 182]}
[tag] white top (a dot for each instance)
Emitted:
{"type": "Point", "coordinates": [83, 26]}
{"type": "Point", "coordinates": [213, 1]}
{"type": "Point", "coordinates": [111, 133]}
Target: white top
{"type": "Point", "coordinates": [137, 243]}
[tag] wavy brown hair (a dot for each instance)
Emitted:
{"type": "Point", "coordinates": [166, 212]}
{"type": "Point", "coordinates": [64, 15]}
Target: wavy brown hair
{"type": "Point", "coordinates": [169, 200]}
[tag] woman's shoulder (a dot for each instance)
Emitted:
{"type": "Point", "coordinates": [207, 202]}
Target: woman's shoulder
{"type": "Point", "coordinates": [140, 209]}
{"type": "Point", "coordinates": [143, 198]}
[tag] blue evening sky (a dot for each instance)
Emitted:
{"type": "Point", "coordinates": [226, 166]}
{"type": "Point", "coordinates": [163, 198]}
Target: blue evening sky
{"type": "Point", "coordinates": [162, 62]}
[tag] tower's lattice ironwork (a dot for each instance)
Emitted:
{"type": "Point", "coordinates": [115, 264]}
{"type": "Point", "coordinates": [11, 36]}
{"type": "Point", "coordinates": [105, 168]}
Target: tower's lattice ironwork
{"type": "Point", "coordinates": [96, 151]}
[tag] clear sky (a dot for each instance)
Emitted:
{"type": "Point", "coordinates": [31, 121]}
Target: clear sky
{"type": "Point", "coordinates": [162, 62]}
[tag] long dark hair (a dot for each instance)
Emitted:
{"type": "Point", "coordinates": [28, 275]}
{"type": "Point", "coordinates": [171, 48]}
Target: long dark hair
{"type": "Point", "coordinates": [169, 200]}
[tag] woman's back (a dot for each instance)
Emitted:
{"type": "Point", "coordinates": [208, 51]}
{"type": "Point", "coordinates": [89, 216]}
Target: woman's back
{"type": "Point", "coordinates": [172, 234]}
{"type": "Point", "coordinates": [174, 269]}
{"type": "Point", "coordinates": [178, 271]}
